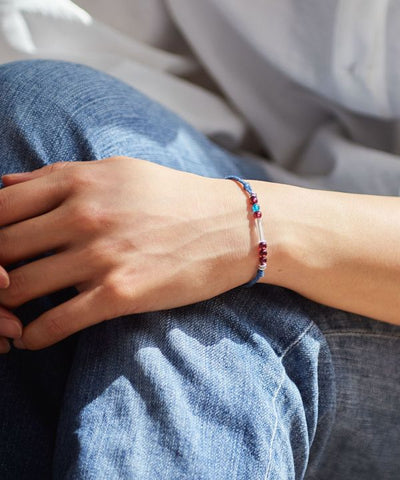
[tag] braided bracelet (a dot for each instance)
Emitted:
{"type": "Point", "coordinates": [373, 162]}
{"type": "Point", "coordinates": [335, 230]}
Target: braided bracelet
{"type": "Point", "coordinates": [262, 244]}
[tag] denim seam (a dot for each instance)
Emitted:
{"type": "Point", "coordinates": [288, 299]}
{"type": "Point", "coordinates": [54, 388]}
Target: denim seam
{"type": "Point", "coordinates": [331, 333]}
{"type": "Point", "coordinates": [286, 351]}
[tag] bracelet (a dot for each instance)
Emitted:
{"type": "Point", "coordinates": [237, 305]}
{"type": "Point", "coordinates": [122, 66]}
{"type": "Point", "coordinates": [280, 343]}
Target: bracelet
{"type": "Point", "coordinates": [262, 244]}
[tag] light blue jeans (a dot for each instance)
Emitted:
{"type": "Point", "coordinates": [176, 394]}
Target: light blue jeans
{"type": "Point", "coordinates": [254, 384]}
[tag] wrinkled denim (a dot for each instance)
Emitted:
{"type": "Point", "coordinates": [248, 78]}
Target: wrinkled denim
{"type": "Point", "coordinates": [254, 384]}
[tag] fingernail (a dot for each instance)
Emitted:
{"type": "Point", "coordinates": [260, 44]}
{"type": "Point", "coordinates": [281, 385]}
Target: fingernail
{"type": "Point", "coordinates": [10, 328]}
{"type": "Point", "coordinates": [4, 346]}
{"type": "Point", "coordinates": [18, 343]}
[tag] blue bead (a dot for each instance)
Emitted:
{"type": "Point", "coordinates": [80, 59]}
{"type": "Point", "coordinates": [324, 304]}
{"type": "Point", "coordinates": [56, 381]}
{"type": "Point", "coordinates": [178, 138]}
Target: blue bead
{"type": "Point", "coordinates": [256, 207]}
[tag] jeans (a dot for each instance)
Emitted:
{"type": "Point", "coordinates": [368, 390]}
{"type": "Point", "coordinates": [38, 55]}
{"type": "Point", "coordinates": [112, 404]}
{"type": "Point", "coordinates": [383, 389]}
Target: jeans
{"type": "Point", "coordinates": [253, 384]}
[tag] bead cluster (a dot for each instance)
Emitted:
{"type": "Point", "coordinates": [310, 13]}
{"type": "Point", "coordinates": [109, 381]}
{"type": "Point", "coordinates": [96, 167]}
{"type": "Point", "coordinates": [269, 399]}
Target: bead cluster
{"type": "Point", "coordinates": [262, 244]}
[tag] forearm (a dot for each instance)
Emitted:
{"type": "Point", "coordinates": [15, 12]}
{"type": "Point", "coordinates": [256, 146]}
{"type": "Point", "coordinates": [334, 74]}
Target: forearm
{"type": "Point", "coordinates": [338, 249]}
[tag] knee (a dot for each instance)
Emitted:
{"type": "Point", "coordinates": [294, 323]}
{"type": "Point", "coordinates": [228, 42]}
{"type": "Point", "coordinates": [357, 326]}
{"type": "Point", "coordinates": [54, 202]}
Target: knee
{"type": "Point", "coordinates": [53, 93]}
{"type": "Point", "coordinates": [38, 86]}
{"type": "Point", "coordinates": [59, 111]}
{"type": "Point", "coordinates": [42, 111]}
{"type": "Point", "coordinates": [31, 75]}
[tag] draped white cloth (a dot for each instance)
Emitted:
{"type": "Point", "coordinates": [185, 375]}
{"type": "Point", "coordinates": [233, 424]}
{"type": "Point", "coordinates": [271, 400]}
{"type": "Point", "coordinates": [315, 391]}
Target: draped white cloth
{"type": "Point", "coordinates": [310, 87]}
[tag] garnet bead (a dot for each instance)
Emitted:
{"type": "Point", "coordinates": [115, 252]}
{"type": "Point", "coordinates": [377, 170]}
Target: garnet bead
{"type": "Point", "coordinates": [257, 214]}
{"type": "Point", "coordinates": [262, 244]}
{"type": "Point", "coordinates": [263, 251]}
{"type": "Point", "coordinates": [253, 199]}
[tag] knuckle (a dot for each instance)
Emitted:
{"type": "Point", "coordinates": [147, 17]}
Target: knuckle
{"type": "Point", "coordinates": [120, 293]}
{"type": "Point", "coordinates": [118, 298]}
{"type": "Point", "coordinates": [98, 255]}
{"type": "Point", "coordinates": [87, 217]}
{"type": "Point", "coordinates": [79, 178]}
{"type": "Point", "coordinates": [63, 164]}
{"type": "Point", "coordinates": [116, 289]}
{"type": "Point", "coordinates": [54, 167]}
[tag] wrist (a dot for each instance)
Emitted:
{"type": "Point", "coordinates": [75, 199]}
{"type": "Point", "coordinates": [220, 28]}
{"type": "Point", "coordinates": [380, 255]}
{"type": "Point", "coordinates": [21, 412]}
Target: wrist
{"type": "Point", "coordinates": [227, 236]}
{"type": "Point", "coordinates": [300, 233]}
{"type": "Point", "coordinates": [282, 208]}
{"type": "Point", "coordinates": [240, 234]}
{"type": "Point", "coordinates": [276, 202]}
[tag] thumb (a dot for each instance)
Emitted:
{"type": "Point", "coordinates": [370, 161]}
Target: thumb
{"type": "Point", "coordinates": [13, 178]}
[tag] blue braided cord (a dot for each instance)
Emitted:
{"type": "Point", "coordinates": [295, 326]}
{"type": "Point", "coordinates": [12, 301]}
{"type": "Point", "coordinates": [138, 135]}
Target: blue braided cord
{"type": "Point", "coordinates": [247, 187]}
{"type": "Point", "coordinates": [260, 274]}
{"type": "Point", "coordinates": [245, 184]}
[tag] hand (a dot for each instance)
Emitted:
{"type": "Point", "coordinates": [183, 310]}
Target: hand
{"type": "Point", "coordinates": [132, 236]}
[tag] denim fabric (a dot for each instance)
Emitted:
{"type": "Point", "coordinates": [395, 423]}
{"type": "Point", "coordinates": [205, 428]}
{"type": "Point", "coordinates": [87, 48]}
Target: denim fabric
{"type": "Point", "coordinates": [257, 383]}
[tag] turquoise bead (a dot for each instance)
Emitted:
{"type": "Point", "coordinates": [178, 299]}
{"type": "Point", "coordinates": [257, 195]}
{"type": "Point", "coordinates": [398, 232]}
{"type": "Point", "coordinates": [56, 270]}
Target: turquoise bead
{"type": "Point", "coordinates": [256, 207]}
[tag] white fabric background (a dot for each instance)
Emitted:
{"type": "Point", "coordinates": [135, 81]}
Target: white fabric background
{"type": "Point", "coordinates": [317, 82]}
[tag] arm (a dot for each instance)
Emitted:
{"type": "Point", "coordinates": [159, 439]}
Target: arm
{"type": "Point", "coordinates": [338, 249]}
{"type": "Point", "coordinates": [133, 236]}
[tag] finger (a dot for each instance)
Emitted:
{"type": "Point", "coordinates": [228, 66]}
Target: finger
{"type": "Point", "coordinates": [32, 237]}
{"type": "Point", "coordinates": [4, 345]}
{"type": "Point", "coordinates": [18, 177]}
{"type": "Point", "coordinates": [13, 178]}
{"type": "Point", "coordinates": [82, 311]}
{"type": "Point", "coordinates": [10, 326]}
{"type": "Point", "coordinates": [4, 278]}
{"type": "Point", "coordinates": [44, 276]}
{"type": "Point", "coordinates": [28, 199]}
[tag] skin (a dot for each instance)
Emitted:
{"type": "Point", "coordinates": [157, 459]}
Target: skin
{"type": "Point", "coordinates": [133, 236]}
{"type": "Point", "coordinates": [339, 249]}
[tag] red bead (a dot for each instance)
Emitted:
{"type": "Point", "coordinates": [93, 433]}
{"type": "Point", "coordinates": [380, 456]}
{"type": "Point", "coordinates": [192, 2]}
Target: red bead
{"type": "Point", "coordinates": [257, 214]}
{"type": "Point", "coordinates": [262, 244]}
{"type": "Point", "coordinates": [253, 199]}
{"type": "Point", "coordinates": [262, 251]}
{"type": "Point", "coordinates": [262, 259]}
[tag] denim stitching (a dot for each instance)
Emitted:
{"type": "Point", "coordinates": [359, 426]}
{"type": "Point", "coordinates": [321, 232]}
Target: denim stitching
{"type": "Point", "coordinates": [286, 351]}
{"type": "Point", "coordinates": [331, 333]}
{"type": "Point", "coordinates": [276, 424]}
{"type": "Point", "coordinates": [295, 342]}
